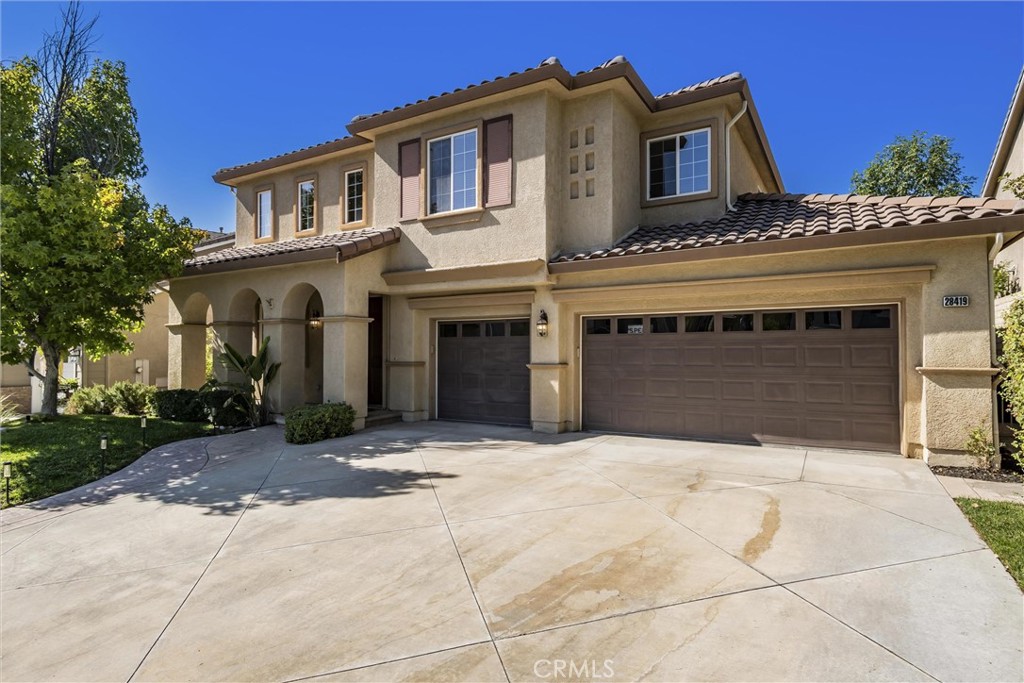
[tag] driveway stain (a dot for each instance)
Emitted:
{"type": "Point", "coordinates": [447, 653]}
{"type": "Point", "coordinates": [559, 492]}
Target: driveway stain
{"type": "Point", "coordinates": [762, 541]}
{"type": "Point", "coordinates": [702, 477]}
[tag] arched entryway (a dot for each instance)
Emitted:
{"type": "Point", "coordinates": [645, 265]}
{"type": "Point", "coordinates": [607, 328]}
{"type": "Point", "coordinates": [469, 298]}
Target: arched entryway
{"type": "Point", "coordinates": [302, 352]}
{"type": "Point", "coordinates": [195, 340]}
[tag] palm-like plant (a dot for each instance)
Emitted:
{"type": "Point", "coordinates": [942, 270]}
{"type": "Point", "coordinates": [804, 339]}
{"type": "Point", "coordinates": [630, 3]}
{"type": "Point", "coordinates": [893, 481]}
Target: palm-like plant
{"type": "Point", "coordinates": [256, 372]}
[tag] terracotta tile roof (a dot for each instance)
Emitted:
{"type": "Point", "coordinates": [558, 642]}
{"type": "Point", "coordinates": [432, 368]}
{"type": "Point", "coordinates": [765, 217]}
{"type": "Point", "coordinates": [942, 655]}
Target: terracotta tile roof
{"type": "Point", "coordinates": [550, 61]}
{"type": "Point", "coordinates": [764, 217]}
{"type": "Point", "coordinates": [343, 245]}
{"type": "Point", "coordinates": [296, 155]}
{"type": "Point", "coordinates": [734, 76]}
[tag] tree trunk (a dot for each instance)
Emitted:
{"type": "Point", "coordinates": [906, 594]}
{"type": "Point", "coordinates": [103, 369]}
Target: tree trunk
{"type": "Point", "coordinates": [51, 380]}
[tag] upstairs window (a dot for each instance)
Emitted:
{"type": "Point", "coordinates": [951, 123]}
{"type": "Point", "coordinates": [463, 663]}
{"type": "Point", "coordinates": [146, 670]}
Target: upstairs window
{"type": "Point", "coordinates": [307, 205]}
{"type": "Point", "coordinates": [264, 214]}
{"type": "Point", "coordinates": [354, 196]}
{"type": "Point", "coordinates": [451, 172]}
{"type": "Point", "coordinates": [679, 164]}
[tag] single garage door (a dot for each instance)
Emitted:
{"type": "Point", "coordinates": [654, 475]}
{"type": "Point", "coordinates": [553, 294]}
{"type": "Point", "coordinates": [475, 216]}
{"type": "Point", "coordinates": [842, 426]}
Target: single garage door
{"type": "Point", "coordinates": [481, 371]}
{"type": "Point", "coordinates": [825, 377]}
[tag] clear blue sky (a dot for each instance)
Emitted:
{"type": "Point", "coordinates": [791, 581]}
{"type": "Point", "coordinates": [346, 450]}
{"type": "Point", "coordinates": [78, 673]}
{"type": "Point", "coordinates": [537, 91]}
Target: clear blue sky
{"type": "Point", "coordinates": [217, 84]}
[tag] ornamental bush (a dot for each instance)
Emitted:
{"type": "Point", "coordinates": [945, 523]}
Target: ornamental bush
{"type": "Point", "coordinates": [226, 406]}
{"type": "Point", "coordinates": [1012, 360]}
{"type": "Point", "coordinates": [179, 404]}
{"type": "Point", "coordinates": [94, 400]}
{"type": "Point", "coordinates": [316, 423]}
{"type": "Point", "coordinates": [131, 398]}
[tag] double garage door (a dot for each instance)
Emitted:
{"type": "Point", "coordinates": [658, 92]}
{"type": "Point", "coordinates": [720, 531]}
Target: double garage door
{"type": "Point", "coordinates": [825, 377]}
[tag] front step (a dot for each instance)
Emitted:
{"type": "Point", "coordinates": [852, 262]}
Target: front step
{"type": "Point", "coordinates": [376, 418]}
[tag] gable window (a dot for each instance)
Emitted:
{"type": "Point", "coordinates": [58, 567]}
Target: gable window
{"type": "Point", "coordinates": [354, 196]}
{"type": "Point", "coordinates": [307, 205]}
{"type": "Point", "coordinates": [679, 164]}
{"type": "Point", "coordinates": [452, 172]}
{"type": "Point", "coordinates": [264, 214]}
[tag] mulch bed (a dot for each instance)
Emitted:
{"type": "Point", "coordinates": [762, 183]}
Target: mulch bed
{"type": "Point", "coordinates": [1010, 473]}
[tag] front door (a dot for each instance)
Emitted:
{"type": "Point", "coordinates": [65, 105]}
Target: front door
{"type": "Point", "coordinates": [375, 354]}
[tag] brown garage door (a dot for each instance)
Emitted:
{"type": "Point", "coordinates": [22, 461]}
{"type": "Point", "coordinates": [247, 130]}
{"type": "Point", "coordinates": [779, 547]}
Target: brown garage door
{"type": "Point", "coordinates": [825, 377]}
{"type": "Point", "coordinates": [481, 371]}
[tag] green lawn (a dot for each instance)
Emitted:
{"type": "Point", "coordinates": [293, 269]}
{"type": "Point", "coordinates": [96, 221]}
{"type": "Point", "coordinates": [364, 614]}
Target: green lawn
{"type": "Point", "coordinates": [63, 453]}
{"type": "Point", "coordinates": [1001, 525]}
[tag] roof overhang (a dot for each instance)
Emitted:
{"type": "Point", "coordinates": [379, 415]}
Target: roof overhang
{"type": "Point", "coordinates": [232, 176]}
{"type": "Point", "coordinates": [1011, 124]}
{"type": "Point", "coordinates": [910, 233]}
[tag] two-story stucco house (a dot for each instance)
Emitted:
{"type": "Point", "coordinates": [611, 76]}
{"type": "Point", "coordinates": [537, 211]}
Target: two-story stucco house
{"type": "Point", "coordinates": [568, 251]}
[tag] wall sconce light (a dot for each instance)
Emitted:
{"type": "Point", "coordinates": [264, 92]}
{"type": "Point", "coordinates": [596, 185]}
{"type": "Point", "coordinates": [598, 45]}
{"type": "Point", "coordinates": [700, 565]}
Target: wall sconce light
{"type": "Point", "coordinates": [542, 324]}
{"type": "Point", "coordinates": [314, 320]}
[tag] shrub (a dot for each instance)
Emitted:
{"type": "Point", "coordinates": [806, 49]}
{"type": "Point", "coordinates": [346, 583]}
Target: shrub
{"type": "Point", "coordinates": [94, 400]}
{"type": "Point", "coordinates": [979, 444]}
{"type": "Point", "coordinates": [179, 404]}
{"type": "Point", "coordinates": [8, 411]}
{"type": "Point", "coordinates": [131, 398]}
{"type": "Point", "coordinates": [1012, 385]}
{"type": "Point", "coordinates": [65, 388]}
{"type": "Point", "coordinates": [1004, 279]}
{"type": "Point", "coordinates": [316, 423]}
{"type": "Point", "coordinates": [227, 407]}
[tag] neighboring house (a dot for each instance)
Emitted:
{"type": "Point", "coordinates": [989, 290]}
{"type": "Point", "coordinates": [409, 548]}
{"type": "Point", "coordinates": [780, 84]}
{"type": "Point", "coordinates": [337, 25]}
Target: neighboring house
{"type": "Point", "coordinates": [1008, 159]}
{"type": "Point", "coordinates": [568, 252]}
{"type": "Point", "coordinates": [16, 386]}
{"type": "Point", "coordinates": [147, 361]}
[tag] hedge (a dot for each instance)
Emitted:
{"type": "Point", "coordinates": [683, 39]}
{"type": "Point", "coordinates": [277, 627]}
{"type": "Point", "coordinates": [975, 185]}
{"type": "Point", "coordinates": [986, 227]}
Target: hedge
{"type": "Point", "coordinates": [316, 423]}
{"type": "Point", "coordinates": [179, 404]}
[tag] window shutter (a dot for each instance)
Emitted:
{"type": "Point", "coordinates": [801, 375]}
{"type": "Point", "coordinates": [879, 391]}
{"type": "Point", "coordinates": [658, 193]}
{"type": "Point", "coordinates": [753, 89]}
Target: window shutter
{"type": "Point", "coordinates": [409, 167]}
{"type": "Point", "coordinates": [498, 161]}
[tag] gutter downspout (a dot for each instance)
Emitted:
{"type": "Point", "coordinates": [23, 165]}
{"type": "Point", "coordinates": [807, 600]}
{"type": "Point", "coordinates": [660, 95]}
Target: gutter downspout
{"type": "Point", "coordinates": [997, 246]}
{"type": "Point", "coordinates": [728, 155]}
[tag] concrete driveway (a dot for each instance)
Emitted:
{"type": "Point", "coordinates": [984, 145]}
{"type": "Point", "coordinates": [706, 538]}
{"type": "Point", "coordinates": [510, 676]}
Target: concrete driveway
{"type": "Point", "coordinates": [438, 551]}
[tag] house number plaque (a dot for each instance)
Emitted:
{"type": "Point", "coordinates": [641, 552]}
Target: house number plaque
{"type": "Point", "coordinates": [956, 301]}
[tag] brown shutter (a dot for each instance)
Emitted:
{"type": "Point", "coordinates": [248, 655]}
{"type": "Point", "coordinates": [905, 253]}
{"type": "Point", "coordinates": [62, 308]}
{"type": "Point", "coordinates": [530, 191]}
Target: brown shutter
{"type": "Point", "coordinates": [409, 167]}
{"type": "Point", "coordinates": [498, 161]}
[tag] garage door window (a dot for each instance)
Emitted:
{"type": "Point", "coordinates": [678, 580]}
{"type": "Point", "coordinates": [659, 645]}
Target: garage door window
{"type": "Point", "coordinates": [737, 322]}
{"type": "Point", "coordinates": [700, 323]}
{"type": "Point", "coordinates": [599, 326]}
{"type": "Point", "coordinates": [778, 322]}
{"type": "Point", "coordinates": [630, 325]}
{"type": "Point", "coordinates": [824, 320]}
{"type": "Point", "coordinates": [668, 324]}
{"type": "Point", "coordinates": [872, 319]}
{"type": "Point", "coordinates": [518, 328]}
{"type": "Point", "coordinates": [495, 329]}
{"type": "Point", "coordinates": [470, 329]}
{"type": "Point", "coordinates": [448, 330]}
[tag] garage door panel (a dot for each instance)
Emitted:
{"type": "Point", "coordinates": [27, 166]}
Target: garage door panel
{"type": "Point", "coordinates": [484, 378]}
{"type": "Point", "coordinates": [831, 386]}
{"type": "Point", "coordinates": [872, 356]}
{"type": "Point", "coordinates": [821, 356]}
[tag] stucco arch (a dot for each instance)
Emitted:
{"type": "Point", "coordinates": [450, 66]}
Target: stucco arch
{"type": "Point", "coordinates": [196, 309]}
{"type": "Point", "coordinates": [296, 300]}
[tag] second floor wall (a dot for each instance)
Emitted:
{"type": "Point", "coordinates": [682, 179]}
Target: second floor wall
{"type": "Point", "coordinates": [520, 176]}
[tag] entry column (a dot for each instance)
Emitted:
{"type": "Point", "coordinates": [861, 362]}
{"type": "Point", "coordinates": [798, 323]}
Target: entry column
{"type": "Point", "coordinates": [186, 355]}
{"type": "Point", "coordinates": [346, 344]}
{"type": "Point", "coordinates": [287, 347]}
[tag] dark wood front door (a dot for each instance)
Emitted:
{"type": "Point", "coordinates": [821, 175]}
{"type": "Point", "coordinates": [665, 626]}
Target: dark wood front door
{"type": "Point", "coordinates": [375, 354]}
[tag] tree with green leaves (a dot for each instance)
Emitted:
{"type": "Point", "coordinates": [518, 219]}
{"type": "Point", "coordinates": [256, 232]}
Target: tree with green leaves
{"type": "Point", "coordinates": [1013, 184]}
{"type": "Point", "coordinates": [919, 165]}
{"type": "Point", "coordinates": [82, 247]}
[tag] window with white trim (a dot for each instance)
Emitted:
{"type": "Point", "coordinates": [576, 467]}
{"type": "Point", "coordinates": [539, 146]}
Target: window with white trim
{"type": "Point", "coordinates": [679, 164]}
{"type": "Point", "coordinates": [264, 214]}
{"type": "Point", "coordinates": [307, 205]}
{"type": "Point", "coordinates": [354, 196]}
{"type": "Point", "coordinates": [452, 172]}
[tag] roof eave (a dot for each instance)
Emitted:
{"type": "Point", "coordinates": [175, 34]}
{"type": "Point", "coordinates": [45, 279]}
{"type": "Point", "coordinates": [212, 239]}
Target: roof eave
{"type": "Point", "coordinates": [541, 73]}
{"type": "Point", "coordinates": [232, 176]}
{"type": "Point", "coordinates": [909, 233]}
{"type": "Point", "coordinates": [1010, 125]}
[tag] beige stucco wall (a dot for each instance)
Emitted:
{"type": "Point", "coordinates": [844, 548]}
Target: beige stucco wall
{"type": "Point", "coordinates": [149, 348]}
{"type": "Point", "coordinates": [1013, 254]}
{"type": "Point", "coordinates": [16, 386]}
